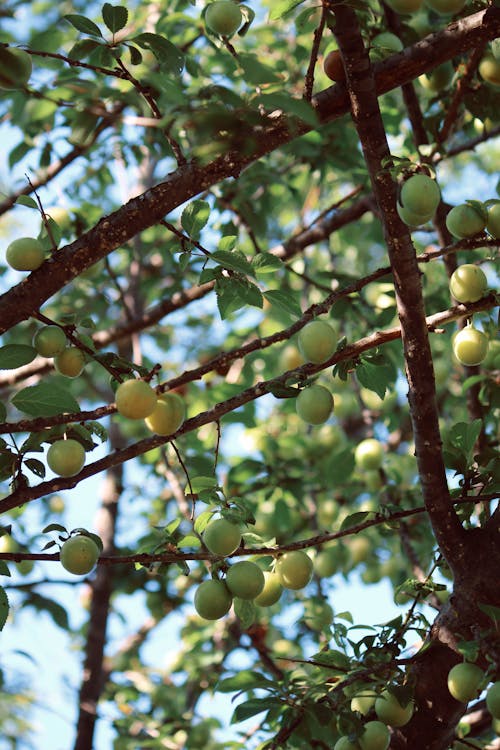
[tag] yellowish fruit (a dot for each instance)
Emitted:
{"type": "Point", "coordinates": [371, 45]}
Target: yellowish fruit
{"type": "Point", "coordinates": [79, 554]}
{"type": "Point", "coordinates": [135, 399]}
{"type": "Point", "coordinates": [25, 254]}
{"type": "Point", "coordinates": [168, 414]}
{"type": "Point", "coordinates": [66, 457]}
{"type": "Point", "coordinates": [464, 681]}
{"type": "Point", "coordinates": [294, 569]}
{"type": "Point", "coordinates": [70, 362]}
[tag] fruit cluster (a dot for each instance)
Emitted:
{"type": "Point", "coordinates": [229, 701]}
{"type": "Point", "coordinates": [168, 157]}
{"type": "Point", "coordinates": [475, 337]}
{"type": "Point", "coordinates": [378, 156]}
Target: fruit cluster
{"type": "Point", "coordinates": [468, 283]}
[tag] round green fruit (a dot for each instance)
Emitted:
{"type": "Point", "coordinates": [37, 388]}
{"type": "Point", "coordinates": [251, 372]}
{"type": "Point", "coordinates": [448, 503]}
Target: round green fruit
{"type": "Point", "coordinates": [271, 592]}
{"type": "Point", "coordinates": [493, 221]}
{"type": "Point", "coordinates": [25, 254]}
{"type": "Point", "coordinates": [468, 283]}
{"type": "Point", "coordinates": [375, 736]}
{"type": "Point", "coordinates": [492, 360]}
{"type": "Point", "coordinates": [359, 548]}
{"type": "Point", "coordinates": [70, 362]}
{"type": "Point", "coordinates": [470, 346]}
{"type": "Point", "coordinates": [314, 404]}
{"type": "Point", "coordinates": [489, 69]}
{"type": "Point", "coordinates": [245, 579]}
{"type": "Point", "coordinates": [405, 6]}
{"type": "Point", "coordinates": [222, 537]}
{"type": "Point", "coordinates": [464, 681]}
{"type": "Point", "coordinates": [493, 700]}
{"type": "Point", "coordinates": [291, 358]}
{"type": "Point", "coordinates": [66, 457]}
{"type": "Point", "coordinates": [212, 600]}
{"type": "Point", "coordinates": [344, 743]}
{"type": "Point", "coordinates": [327, 562]}
{"type": "Point", "coordinates": [384, 45]}
{"type": "Point", "coordinates": [168, 414]}
{"type": "Point", "coordinates": [15, 68]}
{"type": "Point", "coordinates": [445, 7]}
{"type": "Point", "coordinates": [465, 221]}
{"type": "Point", "coordinates": [390, 711]}
{"type": "Point", "coordinates": [364, 701]}
{"type": "Point", "coordinates": [411, 219]}
{"type": "Point", "coordinates": [223, 17]}
{"type": "Point", "coordinates": [317, 341]}
{"type": "Point", "coordinates": [79, 554]}
{"type": "Point", "coordinates": [420, 195]}
{"type": "Point", "coordinates": [135, 399]}
{"type": "Point", "coordinates": [369, 454]}
{"type": "Point", "coordinates": [439, 78]}
{"type": "Point", "coordinates": [318, 615]}
{"type": "Point", "coordinates": [294, 569]}
{"type": "Point", "coordinates": [49, 341]}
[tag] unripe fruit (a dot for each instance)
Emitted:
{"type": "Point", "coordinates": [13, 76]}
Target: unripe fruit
{"type": "Point", "coordinates": [344, 743]}
{"type": "Point", "coordinates": [363, 701]}
{"type": "Point", "coordinates": [245, 579]}
{"type": "Point", "coordinates": [333, 66]}
{"type": "Point", "coordinates": [291, 358]}
{"type": "Point", "coordinates": [465, 221]}
{"type": "Point", "coordinates": [294, 569]}
{"type": "Point", "coordinates": [411, 219]}
{"type": "Point", "coordinates": [384, 45]}
{"type": "Point", "coordinates": [493, 700]}
{"type": "Point", "coordinates": [70, 362]}
{"type": "Point", "coordinates": [223, 17]}
{"type": "Point", "coordinates": [405, 6]}
{"type": "Point", "coordinates": [25, 254]}
{"type": "Point", "coordinates": [420, 195]}
{"type": "Point", "coordinates": [489, 69]}
{"type": "Point", "coordinates": [168, 414]}
{"type": "Point", "coordinates": [318, 615]}
{"type": "Point", "coordinates": [375, 736]}
{"type": "Point", "coordinates": [15, 68]}
{"type": "Point", "coordinates": [390, 711]}
{"type": "Point", "coordinates": [439, 78]}
{"type": "Point", "coordinates": [212, 600]}
{"type": "Point", "coordinates": [369, 454]}
{"type": "Point", "coordinates": [470, 346]}
{"type": "Point", "coordinates": [464, 681]}
{"type": "Point", "coordinates": [135, 399]}
{"type": "Point", "coordinates": [317, 341]}
{"type": "Point", "coordinates": [445, 7]}
{"type": "Point", "coordinates": [66, 457]}
{"type": "Point", "coordinates": [314, 404]}
{"type": "Point", "coordinates": [49, 341]}
{"type": "Point", "coordinates": [222, 537]}
{"type": "Point", "coordinates": [493, 222]}
{"type": "Point", "coordinates": [271, 592]}
{"type": "Point", "coordinates": [468, 283]}
{"type": "Point", "coordinates": [79, 554]}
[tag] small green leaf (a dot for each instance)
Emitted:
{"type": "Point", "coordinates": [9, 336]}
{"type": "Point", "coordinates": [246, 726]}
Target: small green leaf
{"type": "Point", "coordinates": [4, 607]}
{"type": "Point", "coordinates": [26, 200]}
{"type": "Point", "coordinates": [203, 483]}
{"type": "Point", "coordinates": [245, 680]}
{"type": "Point", "coordinates": [114, 16]}
{"type": "Point", "coordinates": [194, 217]}
{"type": "Point", "coordinates": [16, 355]}
{"type": "Point", "coordinates": [285, 301]}
{"type": "Point", "coordinates": [45, 400]}
{"type": "Point", "coordinates": [54, 527]}
{"type": "Point", "coordinates": [376, 377]}
{"type": "Point", "coordinates": [83, 49]}
{"type": "Point", "coordinates": [167, 54]}
{"type": "Point", "coordinates": [234, 293]}
{"type": "Point", "coordinates": [36, 466]}
{"type": "Point", "coordinates": [251, 708]}
{"type": "Point", "coordinates": [4, 569]}
{"type": "Point", "coordinates": [83, 24]}
{"type": "Point", "coordinates": [355, 518]}
{"type": "Point", "coordinates": [266, 263]}
{"type": "Point", "coordinates": [234, 261]}
{"type": "Point", "coordinates": [282, 7]}
{"type": "Point", "coordinates": [245, 611]}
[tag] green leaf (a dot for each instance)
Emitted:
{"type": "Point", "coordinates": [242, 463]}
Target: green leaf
{"type": "Point", "coordinates": [355, 518]}
{"type": "Point", "coordinates": [203, 483]}
{"type": "Point", "coordinates": [245, 611]}
{"type": "Point", "coordinates": [54, 527]}
{"type": "Point", "coordinates": [4, 569]}
{"type": "Point", "coordinates": [492, 612]}
{"type": "Point", "coordinates": [194, 217]}
{"type": "Point", "coordinates": [167, 54]}
{"type": "Point", "coordinates": [36, 466]}
{"type": "Point", "coordinates": [16, 355]}
{"type": "Point", "coordinates": [83, 49]}
{"type": "Point", "coordinates": [251, 708]}
{"type": "Point", "coordinates": [26, 200]}
{"type": "Point", "coordinates": [8, 462]}
{"type": "Point", "coordinates": [44, 604]}
{"type": "Point", "coordinates": [285, 301]}
{"type": "Point", "coordinates": [266, 263]}
{"type": "Point", "coordinates": [377, 378]}
{"type": "Point", "coordinates": [3, 412]}
{"type": "Point", "coordinates": [114, 16]}
{"type": "Point", "coordinates": [45, 400]}
{"type": "Point", "coordinates": [245, 680]}
{"type": "Point", "coordinates": [282, 7]}
{"type": "Point", "coordinates": [236, 292]}
{"type": "Point", "coordinates": [4, 607]}
{"type": "Point", "coordinates": [83, 24]}
{"type": "Point", "coordinates": [234, 261]}
{"type": "Point", "coordinates": [464, 435]}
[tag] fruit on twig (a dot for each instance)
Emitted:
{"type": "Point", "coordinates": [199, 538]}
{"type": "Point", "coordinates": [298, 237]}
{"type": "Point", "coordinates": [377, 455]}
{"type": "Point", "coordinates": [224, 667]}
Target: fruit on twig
{"type": "Point", "coordinates": [470, 346]}
{"type": "Point", "coordinates": [493, 700]}
{"type": "Point", "coordinates": [70, 362]}
{"type": "Point", "coordinates": [375, 736]}
{"type": "Point", "coordinates": [272, 590]}
{"type": "Point", "coordinates": [223, 17]}
{"type": "Point", "coordinates": [369, 454]}
{"type": "Point", "coordinates": [333, 66]}
{"type": "Point", "coordinates": [25, 254]}
{"type": "Point", "coordinates": [439, 78]}
{"type": "Point", "coordinates": [15, 68]}
{"type": "Point", "coordinates": [135, 399]}
{"type": "Point", "coordinates": [49, 341]}
{"type": "Point", "coordinates": [295, 569]}
{"type": "Point", "coordinates": [344, 743]}
{"type": "Point", "coordinates": [464, 681]}
{"type": "Point", "coordinates": [317, 341]}
{"type": "Point", "coordinates": [384, 45]}
{"type": "Point", "coordinates": [445, 7]}
{"type": "Point", "coordinates": [465, 220]}
{"type": "Point", "coordinates": [363, 701]}
{"type": "Point", "coordinates": [420, 195]}
{"type": "Point", "coordinates": [167, 415]}
{"type": "Point", "coordinates": [314, 404]}
{"type": "Point", "coordinates": [318, 615]}
{"type": "Point", "coordinates": [489, 69]}
{"type": "Point", "coordinates": [245, 579]}
{"type": "Point", "coordinates": [493, 220]}
{"type": "Point", "coordinates": [66, 457]}
{"type": "Point", "coordinates": [212, 600]}
{"type": "Point", "coordinates": [79, 554]}
{"type": "Point", "coordinates": [222, 537]}
{"type": "Point", "coordinates": [468, 283]}
{"type": "Point", "coordinates": [390, 711]}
